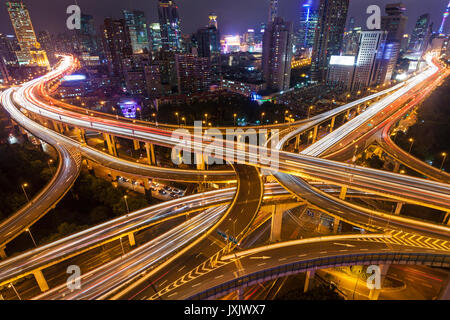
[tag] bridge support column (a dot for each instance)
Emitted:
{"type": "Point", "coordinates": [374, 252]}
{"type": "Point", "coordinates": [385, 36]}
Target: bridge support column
{"type": "Point", "coordinates": [396, 167]}
{"type": "Point", "coordinates": [316, 129]}
{"type": "Point", "coordinates": [111, 144]}
{"type": "Point", "coordinates": [200, 161]}
{"type": "Point", "coordinates": [131, 239]}
{"type": "Point", "coordinates": [445, 218]}
{"type": "Point", "coordinates": [240, 294]}
{"type": "Point", "coordinates": [297, 142]}
{"type": "Point", "coordinates": [136, 145]}
{"type": "Point", "coordinates": [277, 219]}
{"type": "Point", "coordinates": [398, 208]}
{"type": "Point", "coordinates": [3, 253]}
{"type": "Point", "coordinates": [333, 122]}
{"type": "Point", "coordinates": [343, 193]}
{"type": "Point", "coordinates": [336, 223]}
{"type": "Point", "coordinates": [347, 115]}
{"type": "Point", "coordinates": [375, 293]}
{"type": "Point", "coordinates": [309, 280]}
{"type": "Point", "coordinates": [41, 280]}
{"type": "Point", "coordinates": [56, 126]}
{"type": "Point", "coordinates": [83, 135]}
{"type": "Point", "coordinates": [150, 148]}
{"type": "Point", "coordinates": [445, 290]}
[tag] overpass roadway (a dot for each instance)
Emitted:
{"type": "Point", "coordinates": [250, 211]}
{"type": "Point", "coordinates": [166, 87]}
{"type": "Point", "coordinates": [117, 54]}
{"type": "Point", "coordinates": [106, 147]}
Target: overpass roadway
{"type": "Point", "coordinates": [407, 189]}
{"type": "Point", "coordinates": [253, 266]}
{"type": "Point", "coordinates": [65, 176]}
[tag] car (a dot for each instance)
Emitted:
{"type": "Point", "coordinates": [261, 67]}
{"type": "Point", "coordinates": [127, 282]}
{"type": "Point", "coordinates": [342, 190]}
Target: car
{"type": "Point", "coordinates": [162, 192]}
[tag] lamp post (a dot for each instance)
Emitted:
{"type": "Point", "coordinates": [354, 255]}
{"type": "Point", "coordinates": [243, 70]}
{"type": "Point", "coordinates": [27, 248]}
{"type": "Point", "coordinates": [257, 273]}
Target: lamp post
{"type": "Point", "coordinates": [206, 118]}
{"type": "Point", "coordinates": [50, 167]}
{"type": "Point", "coordinates": [24, 191]}
{"type": "Point", "coordinates": [309, 111]}
{"type": "Point", "coordinates": [29, 231]}
{"type": "Point", "coordinates": [443, 160]}
{"type": "Point", "coordinates": [262, 117]}
{"type": "Point", "coordinates": [411, 140]}
{"type": "Point", "coordinates": [178, 117]}
{"type": "Point", "coordinates": [184, 119]}
{"type": "Point", "coordinates": [12, 286]}
{"type": "Point", "coordinates": [234, 117]}
{"type": "Point", "coordinates": [126, 203]}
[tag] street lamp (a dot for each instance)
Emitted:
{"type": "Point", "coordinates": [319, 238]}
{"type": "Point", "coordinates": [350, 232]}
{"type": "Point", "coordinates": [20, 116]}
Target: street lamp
{"type": "Point", "coordinates": [411, 140]}
{"type": "Point", "coordinates": [262, 117]}
{"type": "Point", "coordinates": [25, 192]}
{"type": "Point", "coordinates": [12, 286]}
{"type": "Point", "coordinates": [234, 117]}
{"type": "Point", "coordinates": [309, 111]}
{"type": "Point", "coordinates": [443, 160]}
{"type": "Point", "coordinates": [184, 119]}
{"type": "Point", "coordinates": [51, 168]}
{"type": "Point", "coordinates": [126, 203]}
{"type": "Point", "coordinates": [29, 231]}
{"type": "Point", "coordinates": [178, 117]}
{"type": "Point", "coordinates": [206, 118]}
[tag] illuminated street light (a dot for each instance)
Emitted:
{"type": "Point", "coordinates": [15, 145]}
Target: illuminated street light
{"type": "Point", "coordinates": [24, 191]}
{"type": "Point", "coordinates": [126, 203]}
{"type": "Point", "coordinates": [234, 117]}
{"type": "Point", "coordinates": [12, 286]}
{"type": "Point", "coordinates": [443, 160]}
{"type": "Point", "coordinates": [29, 231]}
{"type": "Point", "coordinates": [262, 117]}
{"type": "Point", "coordinates": [411, 140]}
{"type": "Point", "coordinates": [178, 117]}
{"type": "Point", "coordinates": [309, 111]}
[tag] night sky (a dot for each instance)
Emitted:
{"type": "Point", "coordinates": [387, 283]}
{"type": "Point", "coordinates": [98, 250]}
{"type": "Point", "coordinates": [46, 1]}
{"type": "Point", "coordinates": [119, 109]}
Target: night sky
{"type": "Point", "coordinates": [234, 15]}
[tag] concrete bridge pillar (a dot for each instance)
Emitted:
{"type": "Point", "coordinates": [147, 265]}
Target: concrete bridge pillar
{"type": "Point", "coordinates": [397, 167]}
{"type": "Point", "coordinates": [309, 281]}
{"type": "Point", "coordinates": [343, 193]}
{"type": "Point", "coordinates": [375, 293]}
{"type": "Point", "coordinates": [445, 218]}
{"type": "Point", "coordinates": [136, 145]}
{"type": "Point", "coordinates": [41, 280]}
{"type": "Point", "coordinates": [200, 161]}
{"type": "Point", "coordinates": [316, 129]}
{"type": "Point", "coordinates": [347, 115]}
{"type": "Point", "coordinates": [277, 219]}
{"type": "Point", "coordinates": [83, 135]}
{"type": "Point", "coordinates": [297, 142]}
{"type": "Point", "coordinates": [336, 223]}
{"type": "Point", "coordinates": [111, 144]}
{"type": "Point", "coordinates": [150, 148]}
{"type": "Point", "coordinates": [131, 239]}
{"type": "Point", "coordinates": [398, 208]}
{"type": "Point", "coordinates": [3, 253]}
{"type": "Point", "coordinates": [240, 294]}
{"type": "Point", "coordinates": [333, 122]}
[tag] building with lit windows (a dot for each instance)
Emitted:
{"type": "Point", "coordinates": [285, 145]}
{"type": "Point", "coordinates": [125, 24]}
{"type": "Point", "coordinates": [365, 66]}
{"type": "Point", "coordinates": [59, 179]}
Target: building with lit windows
{"type": "Point", "coordinates": [193, 73]}
{"type": "Point", "coordinates": [340, 72]}
{"type": "Point", "coordinates": [137, 28]}
{"type": "Point", "coordinates": [309, 16]}
{"type": "Point", "coordinates": [30, 52]}
{"type": "Point", "coordinates": [420, 35]}
{"type": "Point", "coordinates": [169, 22]}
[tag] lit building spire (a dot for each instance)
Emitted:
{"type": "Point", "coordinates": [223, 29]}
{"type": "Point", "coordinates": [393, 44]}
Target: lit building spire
{"type": "Point", "coordinates": [444, 18]}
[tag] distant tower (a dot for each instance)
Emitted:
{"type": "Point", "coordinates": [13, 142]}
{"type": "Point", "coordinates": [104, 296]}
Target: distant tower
{"type": "Point", "coordinates": [213, 20]}
{"type": "Point", "coordinates": [420, 34]}
{"type": "Point", "coordinates": [273, 10]}
{"type": "Point", "coordinates": [444, 18]}
{"type": "Point", "coordinates": [169, 22]}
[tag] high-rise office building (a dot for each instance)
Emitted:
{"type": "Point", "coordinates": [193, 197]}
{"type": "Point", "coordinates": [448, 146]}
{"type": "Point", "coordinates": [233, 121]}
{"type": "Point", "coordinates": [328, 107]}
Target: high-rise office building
{"type": "Point", "coordinates": [444, 18]}
{"type": "Point", "coordinates": [193, 73]}
{"type": "Point", "coordinates": [371, 47]}
{"type": "Point", "coordinates": [213, 21]}
{"type": "Point", "coordinates": [329, 35]}
{"type": "Point", "coordinates": [169, 22]}
{"type": "Point", "coordinates": [30, 51]}
{"type": "Point", "coordinates": [137, 28]}
{"type": "Point", "coordinates": [395, 21]}
{"type": "Point", "coordinates": [7, 49]}
{"type": "Point", "coordinates": [350, 44]}
{"type": "Point", "coordinates": [5, 78]}
{"type": "Point", "coordinates": [87, 35]}
{"type": "Point", "coordinates": [308, 22]}
{"type": "Point", "coordinates": [420, 35]}
{"type": "Point", "coordinates": [208, 46]}
{"type": "Point", "coordinates": [155, 37]}
{"type": "Point", "coordinates": [341, 71]}
{"type": "Point", "coordinates": [277, 54]}
{"type": "Point", "coordinates": [117, 45]}
{"type": "Point", "coordinates": [273, 10]}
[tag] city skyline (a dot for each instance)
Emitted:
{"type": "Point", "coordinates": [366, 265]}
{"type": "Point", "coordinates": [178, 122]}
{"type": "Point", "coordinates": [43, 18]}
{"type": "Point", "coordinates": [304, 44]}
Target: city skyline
{"type": "Point", "coordinates": [233, 16]}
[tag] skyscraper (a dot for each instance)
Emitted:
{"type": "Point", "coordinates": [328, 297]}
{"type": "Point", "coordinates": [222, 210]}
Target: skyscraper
{"type": "Point", "coordinates": [308, 23]}
{"type": "Point", "coordinates": [155, 37]}
{"type": "Point", "coordinates": [208, 46]}
{"type": "Point", "coordinates": [87, 35]}
{"type": "Point", "coordinates": [137, 28]}
{"type": "Point", "coordinates": [213, 21]}
{"type": "Point", "coordinates": [329, 35]}
{"type": "Point", "coordinates": [420, 34]}
{"type": "Point", "coordinates": [7, 50]}
{"type": "Point", "coordinates": [395, 21]}
{"type": "Point", "coordinates": [371, 46]}
{"type": "Point", "coordinates": [30, 52]}
{"type": "Point", "coordinates": [273, 10]}
{"type": "Point", "coordinates": [444, 18]}
{"type": "Point", "coordinates": [117, 45]}
{"type": "Point", "coordinates": [277, 54]}
{"type": "Point", "coordinates": [169, 22]}
{"type": "Point", "coordinates": [193, 73]}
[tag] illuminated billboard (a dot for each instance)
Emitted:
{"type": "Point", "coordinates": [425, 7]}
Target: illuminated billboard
{"type": "Point", "coordinates": [342, 60]}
